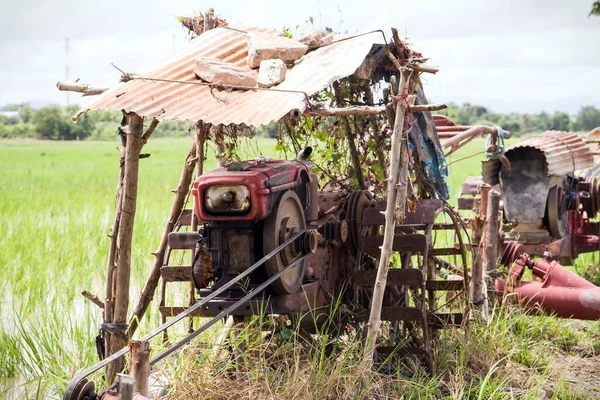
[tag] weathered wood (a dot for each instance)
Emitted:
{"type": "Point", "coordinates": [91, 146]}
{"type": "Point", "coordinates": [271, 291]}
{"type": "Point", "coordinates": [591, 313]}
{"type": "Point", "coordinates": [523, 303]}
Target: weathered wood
{"type": "Point", "coordinates": [149, 131]}
{"type": "Point", "coordinates": [126, 384]}
{"type": "Point", "coordinates": [122, 275]}
{"type": "Point", "coordinates": [139, 359]}
{"type": "Point", "coordinates": [176, 209]}
{"type": "Point", "coordinates": [346, 111]}
{"type": "Point", "coordinates": [492, 231]}
{"type": "Point", "coordinates": [219, 140]}
{"type": "Point", "coordinates": [423, 68]}
{"type": "Point", "coordinates": [86, 89]}
{"type": "Point", "coordinates": [110, 264]}
{"type": "Point", "coordinates": [350, 138]}
{"type": "Point", "coordinates": [390, 224]}
{"type": "Point", "coordinates": [93, 298]}
{"type": "Point", "coordinates": [478, 289]}
{"type": "Point", "coordinates": [427, 107]}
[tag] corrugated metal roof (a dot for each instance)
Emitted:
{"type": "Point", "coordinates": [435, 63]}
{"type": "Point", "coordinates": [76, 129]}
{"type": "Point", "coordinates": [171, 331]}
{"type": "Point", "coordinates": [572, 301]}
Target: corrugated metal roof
{"type": "Point", "coordinates": [565, 154]}
{"type": "Point", "coordinates": [193, 102]}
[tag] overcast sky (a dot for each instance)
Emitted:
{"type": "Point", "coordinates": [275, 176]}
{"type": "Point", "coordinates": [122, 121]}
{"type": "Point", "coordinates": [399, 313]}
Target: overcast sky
{"type": "Point", "coordinates": [509, 55]}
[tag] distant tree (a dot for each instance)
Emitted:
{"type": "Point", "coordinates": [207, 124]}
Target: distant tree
{"type": "Point", "coordinates": [587, 119]}
{"type": "Point", "coordinates": [561, 121]}
{"type": "Point", "coordinates": [542, 122]}
{"type": "Point", "coordinates": [595, 8]}
{"type": "Point", "coordinates": [49, 123]}
{"type": "Point", "coordinates": [26, 114]}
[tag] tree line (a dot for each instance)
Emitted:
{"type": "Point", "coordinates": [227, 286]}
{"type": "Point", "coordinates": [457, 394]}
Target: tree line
{"type": "Point", "coordinates": [55, 123]}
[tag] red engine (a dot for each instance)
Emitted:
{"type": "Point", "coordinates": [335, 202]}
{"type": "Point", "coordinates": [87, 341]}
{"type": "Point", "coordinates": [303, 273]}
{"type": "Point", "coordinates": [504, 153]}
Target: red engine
{"type": "Point", "coordinates": [249, 208]}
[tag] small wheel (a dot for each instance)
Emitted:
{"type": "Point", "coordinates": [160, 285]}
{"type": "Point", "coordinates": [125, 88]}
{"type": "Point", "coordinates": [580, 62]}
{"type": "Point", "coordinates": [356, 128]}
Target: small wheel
{"type": "Point", "coordinates": [286, 219]}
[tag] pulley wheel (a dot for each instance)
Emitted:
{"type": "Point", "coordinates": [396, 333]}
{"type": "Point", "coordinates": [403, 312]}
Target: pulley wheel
{"type": "Point", "coordinates": [83, 390]}
{"type": "Point", "coordinates": [286, 219]}
{"type": "Point", "coordinates": [556, 213]}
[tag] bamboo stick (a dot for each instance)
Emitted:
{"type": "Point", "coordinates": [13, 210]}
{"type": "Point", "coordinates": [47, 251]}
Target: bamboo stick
{"type": "Point", "coordinates": [390, 224]}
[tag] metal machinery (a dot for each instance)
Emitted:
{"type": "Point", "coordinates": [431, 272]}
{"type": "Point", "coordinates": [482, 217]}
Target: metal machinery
{"type": "Point", "coordinates": [269, 242]}
{"type": "Point", "coordinates": [315, 247]}
{"type": "Point", "coordinates": [549, 196]}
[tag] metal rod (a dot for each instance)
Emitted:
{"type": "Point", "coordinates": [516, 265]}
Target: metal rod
{"type": "Point", "coordinates": [226, 312]}
{"type": "Point", "coordinates": [202, 302]}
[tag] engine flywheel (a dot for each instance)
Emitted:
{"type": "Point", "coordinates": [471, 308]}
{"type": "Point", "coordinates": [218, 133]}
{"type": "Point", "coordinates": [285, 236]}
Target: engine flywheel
{"type": "Point", "coordinates": [286, 219]}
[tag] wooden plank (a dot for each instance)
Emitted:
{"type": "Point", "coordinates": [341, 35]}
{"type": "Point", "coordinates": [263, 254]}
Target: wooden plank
{"type": "Point", "coordinates": [450, 251]}
{"type": "Point", "coordinates": [414, 242]}
{"type": "Point", "coordinates": [185, 219]}
{"type": "Point", "coordinates": [444, 320]}
{"type": "Point", "coordinates": [465, 203]}
{"type": "Point", "coordinates": [443, 285]}
{"type": "Point", "coordinates": [396, 276]}
{"type": "Point", "coordinates": [424, 213]}
{"type": "Point", "coordinates": [176, 273]}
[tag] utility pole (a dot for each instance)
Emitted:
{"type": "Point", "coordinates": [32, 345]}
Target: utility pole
{"type": "Point", "coordinates": [67, 64]}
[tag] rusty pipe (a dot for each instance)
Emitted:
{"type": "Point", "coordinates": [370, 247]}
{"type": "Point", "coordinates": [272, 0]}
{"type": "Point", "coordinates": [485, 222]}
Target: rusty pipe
{"type": "Point", "coordinates": [559, 291]}
{"type": "Point", "coordinates": [578, 303]}
{"type": "Point", "coordinates": [459, 140]}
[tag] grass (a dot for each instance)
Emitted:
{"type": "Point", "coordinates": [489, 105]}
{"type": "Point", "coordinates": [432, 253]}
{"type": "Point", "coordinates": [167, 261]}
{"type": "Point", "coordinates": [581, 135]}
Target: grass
{"type": "Point", "coordinates": [57, 203]}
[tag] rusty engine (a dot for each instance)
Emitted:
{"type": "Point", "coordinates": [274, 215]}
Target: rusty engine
{"type": "Point", "coordinates": [549, 198]}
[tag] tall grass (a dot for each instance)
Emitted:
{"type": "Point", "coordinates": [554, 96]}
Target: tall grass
{"type": "Point", "coordinates": [57, 203]}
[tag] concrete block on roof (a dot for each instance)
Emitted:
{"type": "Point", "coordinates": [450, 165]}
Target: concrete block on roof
{"type": "Point", "coordinates": [271, 72]}
{"type": "Point", "coordinates": [316, 38]}
{"type": "Point", "coordinates": [267, 46]}
{"type": "Point", "coordinates": [213, 70]}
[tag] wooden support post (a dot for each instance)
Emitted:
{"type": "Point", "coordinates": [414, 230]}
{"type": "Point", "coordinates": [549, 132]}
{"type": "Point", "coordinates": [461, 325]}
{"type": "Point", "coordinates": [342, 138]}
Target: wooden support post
{"type": "Point", "coordinates": [111, 262]}
{"type": "Point", "coordinates": [478, 288]}
{"type": "Point", "coordinates": [390, 225]}
{"type": "Point", "coordinates": [133, 131]}
{"type": "Point", "coordinates": [152, 282]}
{"type": "Point", "coordinates": [126, 384]}
{"type": "Point", "coordinates": [139, 359]}
{"type": "Point", "coordinates": [201, 132]}
{"type": "Point", "coordinates": [492, 230]}
{"type": "Point", "coordinates": [350, 138]}
{"type": "Point", "coordinates": [219, 143]}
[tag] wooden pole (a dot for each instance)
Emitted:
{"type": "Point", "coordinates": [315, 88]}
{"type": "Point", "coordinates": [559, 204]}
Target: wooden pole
{"type": "Point", "coordinates": [133, 131]}
{"type": "Point", "coordinates": [492, 235]}
{"type": "Point", "coordinates": [126, 384]}
{"type": "Point", "coordinates": [139, 356]}
{"type": "Point", "coordinates": [201, 131]}
{"type": "Point", "coordinates": [371, 110]}
{"type": "Point", "coordinates": [478, 289]}
{"type": "Point", "coordinates": [152, 282]}
{"type": "Point", "coordinates": [111, 262]}
{"type": "Point", "coordinates": [390, 225]}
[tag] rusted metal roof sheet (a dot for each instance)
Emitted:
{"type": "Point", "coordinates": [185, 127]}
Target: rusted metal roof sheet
{"type": "Point", "coordinates": [565, 154]}
{"type": "Point", "coordinates": [193, 102]}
